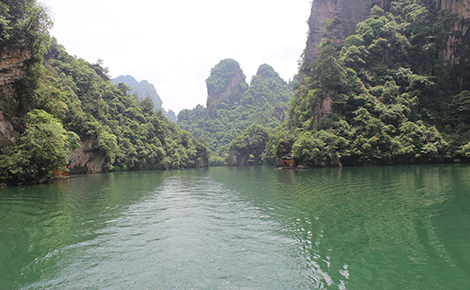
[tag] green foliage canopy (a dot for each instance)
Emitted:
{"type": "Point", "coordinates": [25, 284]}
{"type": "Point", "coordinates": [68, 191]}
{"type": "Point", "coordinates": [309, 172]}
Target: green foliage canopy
{"type": "Point", "coordinates": [381, 111]}
{"type": "Point", "coordinates": [264, 103]}
{"type": "Point", "coordinates": [43, 147]}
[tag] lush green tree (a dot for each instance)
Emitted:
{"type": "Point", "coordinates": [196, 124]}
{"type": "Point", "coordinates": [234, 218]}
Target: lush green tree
{"type": "Point", "coordinates": [42, 148]}
{"type": "Point", "coordinates": [130, 133]}
{"type": "Point", "coordinates": [320, 149]}
{"type": "Point", "coordinates": [280, 143]}
{"type": "Point", "coordinates": [420, 143]}
{"type": "Point", "coordinates": [247, 148]}
{"type": "Point", "coordinates": [464, 151]}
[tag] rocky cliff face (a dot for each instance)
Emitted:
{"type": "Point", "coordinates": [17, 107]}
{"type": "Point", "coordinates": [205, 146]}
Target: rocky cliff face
{"type": "Point", "coordinates": [11, 68]}
{"type": "Point", "coordinates": [86, 160]}
{"type": "Point", "coordinates": [236, 158]}
{"type": "Point", "coordinates": [324, 108]}
{"type": "Point", "coordinates": [234, 89]}
{"type": "Point", "coordinates": [457, 42]}
{"type": "Point", "coordinates": [334, 20]}
{"type": "Point", "coordinates": [7, 134]}
{"type": "Point", "coordinates": [228, 72]}
{"type": "Point", "coordinates": [12, 63]}
{"type": "Point", "coordinates": [457, 50]}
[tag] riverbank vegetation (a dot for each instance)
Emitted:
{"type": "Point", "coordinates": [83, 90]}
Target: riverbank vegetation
{"type": "Point", "coordinates": [387, 96]}
{"type": "Point", "coordinates": [61, 99]}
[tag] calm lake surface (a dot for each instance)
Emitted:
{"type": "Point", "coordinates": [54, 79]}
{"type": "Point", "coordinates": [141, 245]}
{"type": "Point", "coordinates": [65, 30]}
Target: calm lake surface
{"type": "Point", "coordinates": [400, 227]}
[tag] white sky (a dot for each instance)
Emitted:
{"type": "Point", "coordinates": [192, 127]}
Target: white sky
{"type": "Point", "coordinates": [174, 44]}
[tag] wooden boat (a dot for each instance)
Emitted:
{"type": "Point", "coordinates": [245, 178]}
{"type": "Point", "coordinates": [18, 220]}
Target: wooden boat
{"type": "Point", "coordinates": [288, 162]}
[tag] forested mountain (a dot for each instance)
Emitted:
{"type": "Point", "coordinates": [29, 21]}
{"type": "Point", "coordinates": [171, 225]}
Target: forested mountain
{"type": "Point", "coordinates": [389, 94]}
{"type": "Point", "coordinates": [53, 103]}
{"type": "Point", "coordinates": [233, 106]}
{"type": "Point", "coordinates": [143, 90]}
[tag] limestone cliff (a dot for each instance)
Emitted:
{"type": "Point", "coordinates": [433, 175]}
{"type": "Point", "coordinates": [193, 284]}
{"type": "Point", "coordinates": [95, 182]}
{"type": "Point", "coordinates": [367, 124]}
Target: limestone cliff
{"type": "Point", "coordinates": [234, 89]}
{"type": "Point", "coordinates": [333, 20]}
{"type": "Point", "coordinates": [456, 43]}
{"type": "Point", "coordinates": [226, 81]}
{"type": "Point", "coordinates": [236, 158]}
{"type": "Point", "coordinates": [12, 65]}
{"type": "Point", "coordinates": [457, 49]}
{"type": "Point", "coordinates": [324, 107]}
{"type": "Point", "coordinates": [86, 160]}
{"type": "Point", "coordinates": [7, 134]}
{"type": "Point", "coordinates": [12, 62]}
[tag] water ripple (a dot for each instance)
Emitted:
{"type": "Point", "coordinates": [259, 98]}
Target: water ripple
{"type": "Point", "coordinates": [241, 228]}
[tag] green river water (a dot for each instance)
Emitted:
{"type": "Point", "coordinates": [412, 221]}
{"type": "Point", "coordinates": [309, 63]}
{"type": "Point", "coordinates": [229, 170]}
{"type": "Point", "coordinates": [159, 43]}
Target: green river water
{"type": "Point", "coordinates": [393, 227]}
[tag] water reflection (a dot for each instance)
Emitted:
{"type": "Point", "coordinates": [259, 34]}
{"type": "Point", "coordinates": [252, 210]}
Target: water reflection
{"type": "Point", "coordinates": [38, 222]}
{"type": "Point", "coordinates": [369, 228]}
{"type": "Point", "coordinates": [234, 228]}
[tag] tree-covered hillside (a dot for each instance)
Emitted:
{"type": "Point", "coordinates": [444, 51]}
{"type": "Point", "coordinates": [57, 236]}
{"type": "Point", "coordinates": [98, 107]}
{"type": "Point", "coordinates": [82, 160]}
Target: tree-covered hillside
{"type": "Point", "coordinates": [387, 96]}
{"type": "Point", "coordinates": [232, 106]}
{"type": "Point", "coordinates": [66, 99]}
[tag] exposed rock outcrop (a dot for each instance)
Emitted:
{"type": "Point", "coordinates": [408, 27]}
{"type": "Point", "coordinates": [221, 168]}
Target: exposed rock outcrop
{"type": "Point", "coordinates": [12, 65]}
{"type": "Point", "coordinates": [457, 49]}
{"type": "Point", "coordinates": [324, 107]}
{"type": "Point", "coordinates": [280, 113]}
{"type": "Point", "coordinates": [233, 89]}
{"type": "Point", "coordinates": [227, 72]}
{"type": "Point", "coordinates": [456, 43]}
{"type": "Point", "coordinates": [87, 160]}
{"type": "Point", "coordinates": [236, 158]}
{"type": "Point", "coordinates": [333, 20]}
{"type": "Point", "coordinates": [7, 134]}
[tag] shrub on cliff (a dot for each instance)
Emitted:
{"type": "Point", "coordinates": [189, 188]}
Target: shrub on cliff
{"type": "Point", "coordinates": [42, 148]}
{"type": "Point", "coordinates": [247, 148]}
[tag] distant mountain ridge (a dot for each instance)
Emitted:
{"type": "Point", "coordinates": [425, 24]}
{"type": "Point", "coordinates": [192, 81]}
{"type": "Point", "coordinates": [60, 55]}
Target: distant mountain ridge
{"type": "Point", "coordinates": [142, 90]}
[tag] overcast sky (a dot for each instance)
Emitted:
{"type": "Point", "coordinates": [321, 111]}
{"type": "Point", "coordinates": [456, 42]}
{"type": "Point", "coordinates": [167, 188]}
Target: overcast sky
{"type": "Point", "coordinates": [174, 44]}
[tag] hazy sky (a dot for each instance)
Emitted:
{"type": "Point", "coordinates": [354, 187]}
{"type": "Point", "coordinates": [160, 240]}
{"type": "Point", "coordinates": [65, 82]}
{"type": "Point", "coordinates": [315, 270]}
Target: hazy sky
{"type": "Point", "coordinates": [174, 44]}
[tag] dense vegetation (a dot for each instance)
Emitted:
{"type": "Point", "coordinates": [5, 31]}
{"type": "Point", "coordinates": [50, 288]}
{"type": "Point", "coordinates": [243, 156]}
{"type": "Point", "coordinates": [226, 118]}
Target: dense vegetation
{"type": "Point", "coordinates": [233, 106]}
{"type": "Point", "coordinates": [394, 99]}
{"type": "Point", "coordinates": [387, 96]}
{"type": "Point", "coordinates": [248, 147]}
{"type": "Point", "coordinates": [69, 98]}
